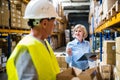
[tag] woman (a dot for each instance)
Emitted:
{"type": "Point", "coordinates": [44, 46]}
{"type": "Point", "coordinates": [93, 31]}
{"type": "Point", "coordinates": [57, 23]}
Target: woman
{"type": "Point", "coordinates": [77, 48]}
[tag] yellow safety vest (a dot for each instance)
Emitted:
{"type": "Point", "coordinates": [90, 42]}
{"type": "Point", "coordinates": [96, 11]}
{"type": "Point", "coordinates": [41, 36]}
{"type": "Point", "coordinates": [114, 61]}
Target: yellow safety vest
{"type": "Point", "coordinates": [44, 61]}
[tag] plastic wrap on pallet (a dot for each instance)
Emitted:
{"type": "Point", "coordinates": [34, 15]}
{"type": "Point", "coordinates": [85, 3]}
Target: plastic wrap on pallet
{"type": "Point", "coordinates": [107, 4]}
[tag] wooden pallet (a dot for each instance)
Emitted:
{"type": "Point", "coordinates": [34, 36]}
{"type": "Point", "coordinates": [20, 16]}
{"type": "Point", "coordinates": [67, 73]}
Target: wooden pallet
{"type": "Point", "coordinates": [114, 10]}
{"type": "Point", "coordinates": [4, 27]}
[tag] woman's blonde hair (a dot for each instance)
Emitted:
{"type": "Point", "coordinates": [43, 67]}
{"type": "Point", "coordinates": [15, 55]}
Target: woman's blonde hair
{"type": "Point", "coordinates": [82, 27]}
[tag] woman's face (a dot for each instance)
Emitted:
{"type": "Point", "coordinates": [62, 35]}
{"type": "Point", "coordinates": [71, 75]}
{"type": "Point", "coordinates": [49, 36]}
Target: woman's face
{"type": "Point", "coordinates": [79, 34]}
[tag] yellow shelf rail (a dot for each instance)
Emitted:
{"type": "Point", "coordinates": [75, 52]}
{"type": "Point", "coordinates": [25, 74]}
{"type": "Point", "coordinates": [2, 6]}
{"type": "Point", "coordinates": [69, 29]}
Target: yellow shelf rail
{"type": "Point", "coordinates": [114, 20]}
{"type": "Point", "coordinates": [14, 31]}
{"type": "Point", "coordinates": [26, 1]}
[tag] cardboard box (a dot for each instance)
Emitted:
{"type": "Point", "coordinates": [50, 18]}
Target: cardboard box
{"type": "Point", "coordinates": [76, 74]}
{"type": "Point", "coordinates": [109, 47]}
{"type": "Point", "coordinates": [116, 74]}
{"type": "Point", "coordinates": [108, 59]}
{"type": "Point", "coordinates": [118, 61]}
{"type": "Point", "coordinates": [68, 74]}
{"type": "Point", "coordinates": [106, 72]}
{"type": "Point", "coordinates": [117, 44]}
{"type": "Point", "coordinates": [61, 61]}
{"type": "Point", "coordinates": [109, 52]}
{"type": "Point", "coordinates": [90, 74]}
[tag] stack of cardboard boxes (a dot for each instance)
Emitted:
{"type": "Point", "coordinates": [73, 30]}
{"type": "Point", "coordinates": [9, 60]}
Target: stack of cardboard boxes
{"type": "Point", "coordinates": [97, 73]}
{"type": "Point", "coordinates": [117, 67]}
{"type": "Point", "coordinates": [4, 14]}
{"type": "Point", "coordinates": [62, 63]}
{"type": "Point", "coordinates": [108, 56]}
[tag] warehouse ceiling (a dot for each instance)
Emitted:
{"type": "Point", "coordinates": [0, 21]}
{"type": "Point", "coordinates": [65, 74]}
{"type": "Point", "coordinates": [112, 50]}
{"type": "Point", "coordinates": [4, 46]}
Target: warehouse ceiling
{"type": "Point", "coordinates": [75, 6]}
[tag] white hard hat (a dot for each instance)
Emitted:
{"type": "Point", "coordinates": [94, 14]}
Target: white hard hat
{"type": "Point", "coordinates": [38, 9]}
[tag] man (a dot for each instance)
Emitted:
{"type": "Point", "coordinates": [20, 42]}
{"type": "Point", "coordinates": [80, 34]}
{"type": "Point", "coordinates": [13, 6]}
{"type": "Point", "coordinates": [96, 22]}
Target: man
{"type": "Point", "coordinates": [33, 58]}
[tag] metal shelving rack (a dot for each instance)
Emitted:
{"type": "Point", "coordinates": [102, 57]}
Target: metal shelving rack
{"type": "Point", "coordinates": [10, 31]}
{"type": "Point", "coordinates": [13, 31]}
{"type": "Point", "coordinates": [112, 23]}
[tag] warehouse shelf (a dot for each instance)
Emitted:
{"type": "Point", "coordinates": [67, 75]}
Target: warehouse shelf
{"type": "Point", "coordinates": [111, 24]}
{"type": "Point", "coordinates": [13, 31]}
{"type": "Point", "coordinates": [55, 33]}
{"type": "Point", "coordinates": [26, 1]}
{"type": "Point", "coordinates": [113, 21]}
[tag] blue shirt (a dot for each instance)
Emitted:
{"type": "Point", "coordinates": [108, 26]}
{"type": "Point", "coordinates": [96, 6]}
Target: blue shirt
{"type": "Point", "coordinates": [78, 50]}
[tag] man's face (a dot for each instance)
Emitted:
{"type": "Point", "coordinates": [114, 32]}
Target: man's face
{"type": "Point", "coordinates": [48, 26]}
{"type": "Point", "coordinates": [51, 25]}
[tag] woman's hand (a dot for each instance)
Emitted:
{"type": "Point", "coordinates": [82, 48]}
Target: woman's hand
{"type": "Point", "coordinates": [69, 51]}
{"type": "Point", "coordinates": [94, 57]}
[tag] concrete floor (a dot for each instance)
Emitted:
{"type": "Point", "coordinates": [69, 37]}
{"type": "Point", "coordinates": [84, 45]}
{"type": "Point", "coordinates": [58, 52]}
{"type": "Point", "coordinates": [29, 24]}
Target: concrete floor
{"type": "Point", "coordinates": [3, 76]}
{"type": "Point", "coordinates": [60, 50]}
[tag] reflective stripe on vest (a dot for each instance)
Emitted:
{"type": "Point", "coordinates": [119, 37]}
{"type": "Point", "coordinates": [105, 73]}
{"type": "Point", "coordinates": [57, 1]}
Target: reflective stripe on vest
{"type": "Point", "coordinates": [45, 63]}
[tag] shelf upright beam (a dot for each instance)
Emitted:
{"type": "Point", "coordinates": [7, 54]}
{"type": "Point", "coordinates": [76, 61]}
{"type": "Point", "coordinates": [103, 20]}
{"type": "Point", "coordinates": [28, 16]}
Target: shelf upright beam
{"type": "Point", "coordinates": [105, 36]}
{"type": "Point", "coordinates": [109, 36]}
{"type": "Point", "coordinates": [100, 1]}
{"type": "Point", "coordinates": [93, 37]}
{"type": "Point", "coordinates": [9, 45]}
{"type": "Point", "coordinates": [100, 46]}
{"type": "Point", "coordinates": [95, 42]}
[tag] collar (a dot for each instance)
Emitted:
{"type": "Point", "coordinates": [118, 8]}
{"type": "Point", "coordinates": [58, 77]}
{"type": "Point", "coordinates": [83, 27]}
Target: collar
{"type": "Point", "coordinates": [77, 41]}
